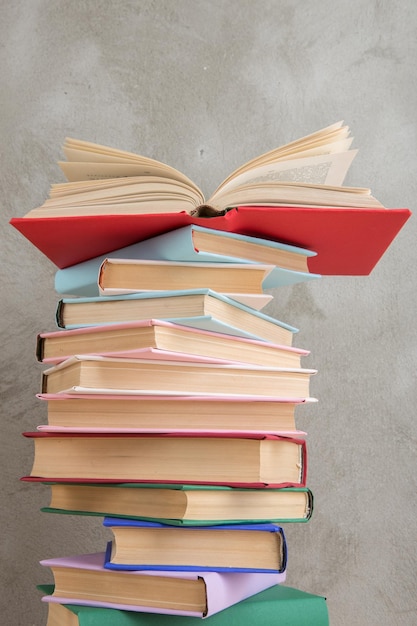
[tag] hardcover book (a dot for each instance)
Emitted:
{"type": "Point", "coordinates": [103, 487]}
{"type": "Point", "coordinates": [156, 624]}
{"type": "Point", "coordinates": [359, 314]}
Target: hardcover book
{"type": "Point", "coordinates": [96, 374]}
{"type": "Point", "coordinates": [347, 228]}
{"type": "Point", "coordinates": [161, 340]}
{"type": "Point", "coordinates": [182, 505]}
{"type": "Point", "coordinates": [277, 606]}
{"type": "Point", "coordinates": [238, 461]}
{"type": "Point", "coordinates": [83, 579]}
{"type": "Point", "coordinates": [196, 244]}
{"type": "Point", "coordinates": [238, 281]}
{"type": "Point", "coordinates": [348, 241]}
{"type": "Point", "coordinates": [162, 414]}
{"type": "Point", "coordinates": [195, 308]}
{"type": "Point", "coordinates": [146, 545]}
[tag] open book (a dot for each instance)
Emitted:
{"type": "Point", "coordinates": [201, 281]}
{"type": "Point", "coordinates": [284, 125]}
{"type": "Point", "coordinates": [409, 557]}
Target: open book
{"type": "Point", "coordinates": [306, 172]}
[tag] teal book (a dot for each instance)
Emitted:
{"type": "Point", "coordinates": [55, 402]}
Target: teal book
{"type": "Point", "coordinates": [196, 244]}
{"type": "Point", "coordinates": [277, 606]}
{"type": "Point", "coordinates": [197, 308]}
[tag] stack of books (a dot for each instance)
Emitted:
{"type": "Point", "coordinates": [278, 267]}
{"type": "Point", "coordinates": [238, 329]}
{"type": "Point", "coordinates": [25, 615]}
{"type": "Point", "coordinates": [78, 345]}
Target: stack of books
{"type": "Point", "coordinates": [171, 413]}
{"type": "Point", "coordinates": [171, 397]}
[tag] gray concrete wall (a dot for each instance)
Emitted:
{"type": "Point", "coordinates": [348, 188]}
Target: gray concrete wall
{"type": "Point", "coordinates": [205, 86]}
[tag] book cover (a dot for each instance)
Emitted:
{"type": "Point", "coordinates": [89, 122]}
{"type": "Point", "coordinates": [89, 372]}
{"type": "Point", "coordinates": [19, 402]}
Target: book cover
{"type": "Point", "coordinates": [222, 589]}
{"type": "Point", "coordinates": [279, 605]}
{"type": "Point", "coordinates": [161, 431]}
{"type": "Point", "coordinates": [176, 559]}
{"type": "Point", "coordinates": [81, 279]}
{"type": "Point", "coordinates": [348, 241]}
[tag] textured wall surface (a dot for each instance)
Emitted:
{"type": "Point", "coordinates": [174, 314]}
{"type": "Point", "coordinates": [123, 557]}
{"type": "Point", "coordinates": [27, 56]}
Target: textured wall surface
{"type": "Point", "coordinates": [205, 86]}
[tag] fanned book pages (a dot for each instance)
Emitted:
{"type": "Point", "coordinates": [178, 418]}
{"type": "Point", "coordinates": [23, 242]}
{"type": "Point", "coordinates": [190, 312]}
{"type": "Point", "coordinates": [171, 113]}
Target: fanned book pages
{"type": "Point", "coordinates": [80, 580]}
{"type": "Point", "coordinates": [104, 180]}
{"type": "Point", "coordinates": [277, 606]}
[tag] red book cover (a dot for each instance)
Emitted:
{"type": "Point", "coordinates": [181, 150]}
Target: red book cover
{"type": "Point", "coordinates": [347, 241]}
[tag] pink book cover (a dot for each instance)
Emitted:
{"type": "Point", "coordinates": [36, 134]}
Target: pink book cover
{"type": "Point", "coordinates": [223, 589]}
{"type": "Point", "coordinates": [156, 353]}
{"type": "Point", "coordinates": [296, 441]}
{"type": "Point", "coordinates": [229, 398]}
{"type": "Point", "coordinates": [160, 431]}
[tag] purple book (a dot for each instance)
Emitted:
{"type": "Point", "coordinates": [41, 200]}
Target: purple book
{"type": "Point", "coordinates": [145, 591]}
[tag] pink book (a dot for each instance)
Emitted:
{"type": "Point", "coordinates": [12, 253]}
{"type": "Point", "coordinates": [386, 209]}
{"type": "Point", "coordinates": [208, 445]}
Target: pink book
{"type": "Point", "coordinates": [197, 340]}
{"type": "Point", "coordinates": [222, 589]}
{"type": "Point", "coordinates": [212, 400]}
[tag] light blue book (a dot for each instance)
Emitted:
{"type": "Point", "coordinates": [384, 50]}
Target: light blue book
{"type": "Point", "coordinates": [198, 308]}
{"type": "Point", "coordinates": [179, 245]}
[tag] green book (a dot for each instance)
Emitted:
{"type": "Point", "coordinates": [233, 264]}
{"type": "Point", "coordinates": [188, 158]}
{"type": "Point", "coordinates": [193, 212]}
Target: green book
{"type": "Point", "coordinates": [277, 606]}
{"type": "Point", "coordinates": [182, 505]}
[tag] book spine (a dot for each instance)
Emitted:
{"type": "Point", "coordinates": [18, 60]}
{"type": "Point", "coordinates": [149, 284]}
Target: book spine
{"type": "Point", "coordinates": [40, 344]}
{"type": "Point", "coordinates": [59, 318]}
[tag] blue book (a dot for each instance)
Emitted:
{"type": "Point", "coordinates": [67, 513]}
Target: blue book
{"type": "Point", "coordinates": [197, 308]}
{"type": "Point", "coordinates": [147, 545]}
{"type": "Point", "coordinates": [196, 244]}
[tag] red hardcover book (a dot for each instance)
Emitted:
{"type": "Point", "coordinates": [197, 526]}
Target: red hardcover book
{"type": "Point", "coordinates": [347, 241]}
{"type": "Point", "coordinates": [244, 460]}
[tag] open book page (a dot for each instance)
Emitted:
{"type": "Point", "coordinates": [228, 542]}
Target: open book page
{"type": "Point", "coordinates": [323, 169]}
{"type": "Point", "coordinates": [89, 161]}
{"type": "Point", "coordinates": [308, 172]}
{"type": "Point", "coordinates": [85, 161]}
{"type": "Point", "coordinates": [124, 190]}
{"type": "Point", "coordinates": [295, 194]}
{"type": "Point", "coordinates": [334, 138]}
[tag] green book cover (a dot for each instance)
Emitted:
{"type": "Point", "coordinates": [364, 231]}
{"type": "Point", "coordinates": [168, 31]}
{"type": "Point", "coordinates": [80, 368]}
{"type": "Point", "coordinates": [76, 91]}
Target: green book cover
{"type": "Point", "coordinates": [277, 606]}
{"type": "Point", "coordinates": [191, 522]}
